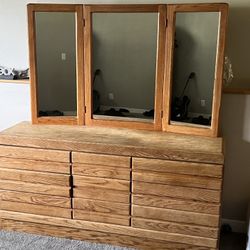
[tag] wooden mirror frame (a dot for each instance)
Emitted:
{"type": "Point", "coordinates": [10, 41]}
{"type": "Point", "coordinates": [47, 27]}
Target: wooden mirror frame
{"type": "Point", "coordinates": [78, 10]}
{"type": "Point", "coordinates": [160, 62]}
{"type": "Point", "coordinates": [185, 128]}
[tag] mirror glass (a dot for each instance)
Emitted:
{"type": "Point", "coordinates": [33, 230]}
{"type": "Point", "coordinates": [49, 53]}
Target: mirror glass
{"type": "Point", "coordinates": [56, 63]}
{"type": "Point", "coordinates": [124, 47]}
{"type": "Point", "coordinates": [195, 50]}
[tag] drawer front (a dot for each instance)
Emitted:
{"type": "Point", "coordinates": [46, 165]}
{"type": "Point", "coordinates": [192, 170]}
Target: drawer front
{"type": "Point", "coordinates": [36, 199]}
{"type": "Point", "coordinates": [105, 183]}
{"type": "Point", "coordinates": [101, 206]}
{"type": "Point", "coordinates": [35, 209]}
{"type": "Point", "coordinates": [101, 171]}
{"type": "Point", "coordinates": [35, 177]}
{"type": "Point", "coordinates": [103, 160]}
{"type": "Point", "coordinates": [186, 193]}
{"type": "Point", "coordinates": [34, 154]}
{"type": "Point", "coordinates": [33, 188]}
{"type": "Point", "coordinates": [35, 165]}
{"type": "Point", "coordinates": [175, 216]}
{"type": "Point", "coordinates": [177, 167]}
{"type": "Point", "coordinates": [175, 204]}
{"type": "Point", "coordinates": [101, 194]}
{"type": "Point", "coordinates": [177, 179]}
{"type": "Point", "coordinates": [101, 217]}
{"type": "Point", "coordinates": [173, 227]}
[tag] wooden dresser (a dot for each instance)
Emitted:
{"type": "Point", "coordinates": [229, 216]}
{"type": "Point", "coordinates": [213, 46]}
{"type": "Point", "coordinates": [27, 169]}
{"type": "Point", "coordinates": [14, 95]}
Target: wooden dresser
{"type": "Point", "coordinates": [146, 190]}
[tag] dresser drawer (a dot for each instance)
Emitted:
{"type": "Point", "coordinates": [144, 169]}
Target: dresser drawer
{"type": "Point", "coordinates": [105, 183]}
{"type": "Point", "coordinates": [175, 216]}
{"type": "Point", "coordinates": [101, 206]}
{"type": "Point", "coordinates": [101, 171]}
{"type": "Point", "coordinates": [177, 167]}
{"type": "Point", "coordinates": [35, 165]}
{"type": "Point", "coordinates": [103, 160]}
{"type": "Point", "coordinates": [34, 154]}
{"type": "Point", "coordinates": [101, 217]}
{"type": "Point", "coordinates": [35, 177]}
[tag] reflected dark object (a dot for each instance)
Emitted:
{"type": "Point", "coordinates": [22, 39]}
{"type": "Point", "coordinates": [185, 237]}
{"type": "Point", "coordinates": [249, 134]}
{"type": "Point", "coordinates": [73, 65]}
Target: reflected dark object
{"type": "Point", "coordinates": [180, 104]}
{"type": "Point", "coordinates": [149, 113]}
{"type": "Point", "coordinates": [96, 94]}
{"type": "Point", "coordinates": [201, 120]}
{"type": "Point", "coordinates": [113, 112]}
{"type": "Point", "coordinates": [50, 113]}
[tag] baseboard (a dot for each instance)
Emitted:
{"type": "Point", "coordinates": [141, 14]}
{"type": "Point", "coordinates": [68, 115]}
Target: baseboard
{"type": "Point", "coordinates": [237, 226]}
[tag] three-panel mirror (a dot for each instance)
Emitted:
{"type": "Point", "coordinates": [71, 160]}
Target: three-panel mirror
{"type": "Point", "coordinates": [153, 67]}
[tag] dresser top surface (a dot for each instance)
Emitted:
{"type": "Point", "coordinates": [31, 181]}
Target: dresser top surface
{"type": "Point", "coordinates": [113, 140]}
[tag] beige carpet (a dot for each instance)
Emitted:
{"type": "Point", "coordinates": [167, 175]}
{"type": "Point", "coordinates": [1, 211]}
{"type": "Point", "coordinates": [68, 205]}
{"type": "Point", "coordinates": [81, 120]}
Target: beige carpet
{"type": "Point", "coordinates": [23, 241]}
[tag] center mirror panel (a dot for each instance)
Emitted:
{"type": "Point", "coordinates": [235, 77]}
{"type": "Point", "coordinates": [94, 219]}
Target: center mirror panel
{"type": "Point", "coordinates": [194, 63]}
{"type": "Point", "coordinates": [124, 53]}
{"type": "Point", "coordinates": [56, 63]}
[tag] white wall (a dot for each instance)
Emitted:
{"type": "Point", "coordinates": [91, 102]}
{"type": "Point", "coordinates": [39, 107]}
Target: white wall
{"type": "Point", "coordinates": [14, 52]}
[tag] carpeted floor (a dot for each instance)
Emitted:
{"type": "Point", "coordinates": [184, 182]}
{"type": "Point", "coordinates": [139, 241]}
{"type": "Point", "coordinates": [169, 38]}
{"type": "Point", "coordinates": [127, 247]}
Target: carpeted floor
{"type": "Point", "coordinates": [23, 241]}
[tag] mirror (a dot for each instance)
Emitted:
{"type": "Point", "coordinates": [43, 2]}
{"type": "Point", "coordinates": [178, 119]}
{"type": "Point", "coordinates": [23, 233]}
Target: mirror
{"type": "Point", "coordinates": [194, 64]}
{"type": "Point", "coordinates": [124, 52]}
{"type": "Point", "coordinates": [55, 34]}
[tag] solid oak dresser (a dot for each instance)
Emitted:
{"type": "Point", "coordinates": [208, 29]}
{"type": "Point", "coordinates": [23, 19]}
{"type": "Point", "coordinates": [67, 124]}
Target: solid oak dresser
{"type": "Point", "coordinates": [141, 189]}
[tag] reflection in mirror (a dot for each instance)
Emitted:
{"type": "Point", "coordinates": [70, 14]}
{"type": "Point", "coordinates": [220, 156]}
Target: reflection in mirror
{"type": "Point", "coordinates": [124, 65]}
{"type": "Point", "coordinates": [195, 50]}
{"type": "Point", "coordinates": [56, 63]}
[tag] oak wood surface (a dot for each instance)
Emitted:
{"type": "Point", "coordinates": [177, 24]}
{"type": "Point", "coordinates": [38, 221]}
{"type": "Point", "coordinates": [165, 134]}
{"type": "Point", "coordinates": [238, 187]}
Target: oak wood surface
{"type": "Point", "coordinates": [189, 168]}
{"type": "Point", "coordinates": [35, 165]}
{"type": "Point", "coordinates": [35, 188]}
{"type": "Point", "coordinates": [175, 216]}
{"type": "Point", "coordinates": [123, 142]}
{"type": "Point", "coordinates": [119, 185]}
{"type": "Point", "coordinates": [187, 193]}
{"type": "Point", "coordinates": [97, 159]}
{"type": "Point", "coordinates": [101, 206]}
{"type": "Point", "coordinates": [172, 227]}
{"type": "Point", "coordinates": [101, 217]}
{"type": "Point", "coordinates": [36, 199]}
{"type": "Point", "coordinates": [88, 192]}
{"type": "Point", "coordinates": [101, 237]}
{"type": "Point", "coordinates": [35, 209]}
{"type": "Point", "coordinates": [101, 171]}
{"type": "Point", "coordinates": [108, 228]}
{"type": "Point", "coordinates": [34, 154]}
{"type": "Point", "coordinates": [175, 204]}
{"type": "Point", "coordinates": [35, 177]}
{"type": "Point", "coordinates": [177, 179]}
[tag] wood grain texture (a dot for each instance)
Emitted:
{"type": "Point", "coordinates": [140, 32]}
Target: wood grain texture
{"type": "Point", "coordinates": [100, 237]}
{"type": "Point", "coordinates": [88, 192]}
{"type": "Point", "coordinates": [189, 168]}
{"type": "Point", "coordinates": [99, 159]}
{"type": "Point", "coordinates": [35, 177]}
{"type": "Point", "coordinates": [240, 91]}
{"type": "Point", "coordinates": [108, 228]}
{"type": "Point", "coordinates": [36, 199]}
{"type": "Point", "coordinates": [175, 216]}
{"type": "Point", "coordinates": [35, 188]}
{"type": "Point", "coordinates": [101, 206]}
{"type": "Point", "coordinates": [101, 171]}
{"type": "Point", "coordinates": [35, 165]}
{"type": "Point", "coordinates": [57, 120]}
{"type": "Point", "coordinates": [123, 142]}
{"type": "Point", "coordinates": [171, 227]}
{"type": "Point", "coordinates": [35, 209]}
{"type": "Point", "coordinates": [177, 179]}
{"type": "Point", "coordinates": [119, 185]}
{"type": "Point", "coordinates": [34, 154]}
{"type": "Point", "coordinates": [101, 217]}
{"type": "Point", "coordinates": [175, 204]}
{"type": "Point", "coordinates": [187, 193]}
